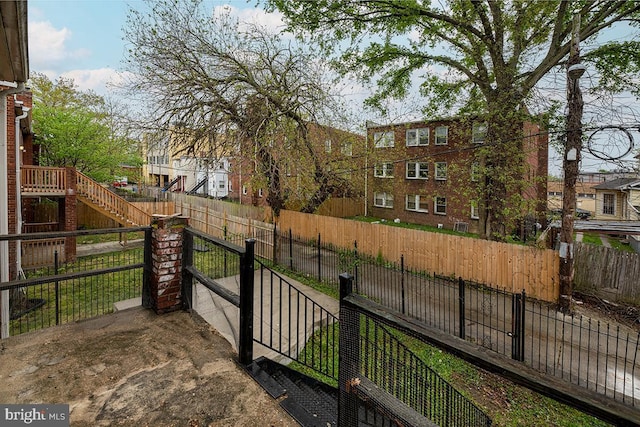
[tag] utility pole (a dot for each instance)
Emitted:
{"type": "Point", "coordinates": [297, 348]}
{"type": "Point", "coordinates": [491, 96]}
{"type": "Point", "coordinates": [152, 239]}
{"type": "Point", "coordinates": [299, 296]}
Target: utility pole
{"type": "Point", "coordinates": [571, 164]}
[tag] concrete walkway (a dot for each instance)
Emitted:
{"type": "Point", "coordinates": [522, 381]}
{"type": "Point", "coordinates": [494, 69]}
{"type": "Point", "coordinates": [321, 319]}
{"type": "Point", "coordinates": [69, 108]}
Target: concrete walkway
{"type": "Point", "coordinates": [286, 313]}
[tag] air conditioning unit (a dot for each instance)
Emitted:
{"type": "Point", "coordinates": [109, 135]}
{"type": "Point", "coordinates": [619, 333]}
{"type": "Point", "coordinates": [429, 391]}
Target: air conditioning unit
{"type": "Point", "coordinates": [439, 225]}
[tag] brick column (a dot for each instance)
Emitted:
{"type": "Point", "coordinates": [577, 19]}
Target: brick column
{"type": "Point", "coordinates": [69, 212]}
{"type": "Point", "coordinates": [163, 293]}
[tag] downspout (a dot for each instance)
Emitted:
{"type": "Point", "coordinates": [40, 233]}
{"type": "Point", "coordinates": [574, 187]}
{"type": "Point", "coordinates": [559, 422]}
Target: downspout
{"type": "Point", "coordinates": [25, 113]}
{"type": "Point", "coordinates": [4, 208]}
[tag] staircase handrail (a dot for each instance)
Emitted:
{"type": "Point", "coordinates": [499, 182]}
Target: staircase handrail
{"type": "Point", "coordinates": [197, 186]}
{"type": "Point", "coordinates": [110, 201]}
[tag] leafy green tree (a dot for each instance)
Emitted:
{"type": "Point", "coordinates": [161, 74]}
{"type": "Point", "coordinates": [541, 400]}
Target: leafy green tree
{"type": "Point", "coordinates": [74, 129]}
{"type": "Point", "coordinates": [481, 58]}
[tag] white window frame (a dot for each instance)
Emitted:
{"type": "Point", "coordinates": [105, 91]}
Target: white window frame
{"type": "Point", "coordinates": [418, 137]}
{"type": "Point", "coordinates": [327, 146]}
{"type": "Point", "coordinates": [438, 173]}
{"type": "Point", "coordinates": [438, 136]}
{"type": "Point", "coordinates": [383, 170]}
{"type": "Point", "coordinates": [436, 205]}
{"type": "Point", "coordinates": [416, 200]}
{"type": "Point", "coordinates": [386, 200]}
{"type": "Point", "coordinates": [244, 190]}
{"type": "Point", "coordinates": [384, 139]}
{"type": "Point", "coordinates": [260, 192]}
{"type": "Point", "coordinates": [475, 214]}
{"type": "Point", "coordinates": [347, 148]}
{"type": "Point", "coordinates": [479, 132]}
{"type": "Point", "coordinates": [475, 171]}
{"type": "Point", "coordinates": [420, 170]}
{"type": "Point", "coordinates": [604, 204]}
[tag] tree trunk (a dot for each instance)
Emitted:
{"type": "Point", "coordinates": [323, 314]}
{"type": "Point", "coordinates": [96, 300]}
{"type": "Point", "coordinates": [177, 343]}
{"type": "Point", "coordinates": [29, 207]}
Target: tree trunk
{"type": "Point", "coordinates": [503, 159]}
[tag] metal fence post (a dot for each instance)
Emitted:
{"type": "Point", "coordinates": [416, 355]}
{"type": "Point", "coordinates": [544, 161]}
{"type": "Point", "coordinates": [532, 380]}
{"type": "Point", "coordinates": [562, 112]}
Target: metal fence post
{"type": "Point", "coordinates": [319, 261]}
{"type": "Point", "coordinates": [461, 308]}
{"type": "Point", "coordinates": [224, 255]}
{"type": "Point", "coordinates": [523, 309]}
{"type": "Point", "coordinates": [290, 250]}
{"type": "Point", "coordinates": [515, 329]}
{"type": "Point", "coordinates": [355, 252]}
{"type": "Point", "coordinates": [245, 345]}
{"type": "Point", "coordinates": [146, 272]}
{"type": "Point", "coordinates": [402, 282]}
{"type": "Point", "coordinates": [275, 244]}
{"type": "Point", "coordinates": [187, 277]}
{"type": "Point", "coordinates": [349, 356]}
{"type": "Point", "coordinates": [57, 286]}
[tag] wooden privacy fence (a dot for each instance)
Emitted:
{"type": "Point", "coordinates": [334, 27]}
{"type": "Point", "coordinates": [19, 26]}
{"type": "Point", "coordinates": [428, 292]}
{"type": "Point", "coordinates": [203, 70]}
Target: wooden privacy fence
{"type": "Point", "coordinates": [229, 227]}
{"type": "Point", "coordinates": [258, 213]}
{"type": "Point", "coordinates": [500, 265]}
{"type": "Point", "coordinates": [599, 269]}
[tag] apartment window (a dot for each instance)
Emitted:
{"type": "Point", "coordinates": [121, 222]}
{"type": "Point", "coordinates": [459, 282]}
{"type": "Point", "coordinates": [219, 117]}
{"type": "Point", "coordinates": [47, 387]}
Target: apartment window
{"type": "Point", "coordinates": [441, 171]}
{"type": "Point", "coordinates": [587, 195]}
{"type": "Point", "coordinates": [609, 204]}
{"type": "Point", "coordinates": [479, 132]}
{"type": "Point", "coordinates": [442, 135]}
{"type": "Point", "coordinates": [415, 202]}
{"type": "Point", "coordinates": [383, 170]}
{"type": "Point", "coordinates": [417, 170]}
{"type": "Point", "coordinates": [244, 190]}
{"type": "Point", "coordinates": [383, 139]}
{"type": "Point", "coordinates": [475, 171]}
{"type": "Point", "coordinates": [474, 210]}
{"type": "Point", "coordinates": [383, 200]}
{"type": "Point", "coordinates": [554, 193]}
{"type": "Point", "coordinates": [327, 146]}
{"type": "Point", "coordinates": [260, 192]}
{"type": "Point", "coordinates": [221, 185]}
{"type": "Point", "coordinates": [416, 137]}
{"type": "Point", "coordinates": [347, 148]}
{"type": "Point", "coordinates": [440, 205]}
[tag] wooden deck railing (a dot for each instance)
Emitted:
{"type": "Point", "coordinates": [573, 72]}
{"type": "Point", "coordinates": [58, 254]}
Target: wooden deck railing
{"type": "Point", "coordinates": [122, 210]}
{"type": "Point", "coordinates": [43, 180]}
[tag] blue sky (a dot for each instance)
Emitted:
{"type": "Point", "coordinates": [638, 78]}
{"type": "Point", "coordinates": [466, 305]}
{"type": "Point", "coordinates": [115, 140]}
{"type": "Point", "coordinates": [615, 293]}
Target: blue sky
{"type": "Point", "coordinates": [82, 39]}
{"type": "Point", "coordinates": [78, 39]}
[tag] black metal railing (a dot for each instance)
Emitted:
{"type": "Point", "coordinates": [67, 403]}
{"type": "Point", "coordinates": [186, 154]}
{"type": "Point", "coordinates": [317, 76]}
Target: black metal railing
{"type": "Point", "coordinates": [286, 321]}
{"type": "Point", "coordinates": [597, 355]}
{"type": "Point", "coordinates": [374, 359]}
{"type": "Point", "coordinates": [59, 289]}
{"type": "Point", "coordinates": [291, 321]}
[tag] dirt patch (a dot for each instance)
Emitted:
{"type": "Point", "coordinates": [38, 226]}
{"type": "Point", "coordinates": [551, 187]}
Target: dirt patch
{"type": "Point", "coordinates": [134, 368]}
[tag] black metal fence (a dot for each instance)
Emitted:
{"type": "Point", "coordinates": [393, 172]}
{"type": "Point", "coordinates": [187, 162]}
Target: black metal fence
{"type": "Point", "coordinates": [292, 324]}
{"type": "Point", "coordinates": [594, 354]}
{"type": "Point", "coordinates": [284, 320]}
{"type": "Point", "coordinates": [380, 373]}
{"type": "Point", "coordinates": [86, 286]}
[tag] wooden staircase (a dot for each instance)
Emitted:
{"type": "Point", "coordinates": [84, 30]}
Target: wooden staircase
{"type": "Point", "coordinates": [109, 203]}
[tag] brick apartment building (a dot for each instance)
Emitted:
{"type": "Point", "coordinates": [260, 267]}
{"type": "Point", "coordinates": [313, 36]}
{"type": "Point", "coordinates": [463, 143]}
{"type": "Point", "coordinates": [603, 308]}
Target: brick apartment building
{"type": "Point", "coordinates": [428, 172]}
{"type": "Point", "coordinates": [338, 150]}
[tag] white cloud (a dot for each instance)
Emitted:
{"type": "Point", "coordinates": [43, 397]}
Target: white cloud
{"type": "Point", "coordinates": [95, 80]}
{"type": "Point", "coordinates": [270, 21]}
{"type": "Point", "coordinates": [47, 46]}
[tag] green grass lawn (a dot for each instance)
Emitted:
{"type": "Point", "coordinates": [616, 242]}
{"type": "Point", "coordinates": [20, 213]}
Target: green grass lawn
{"type": "Point", "coordinates": [80, 298]}
{"type": "Point", "coordinates": [506, 403]}
{"type": "Point", "coordinates": [591, 239]}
